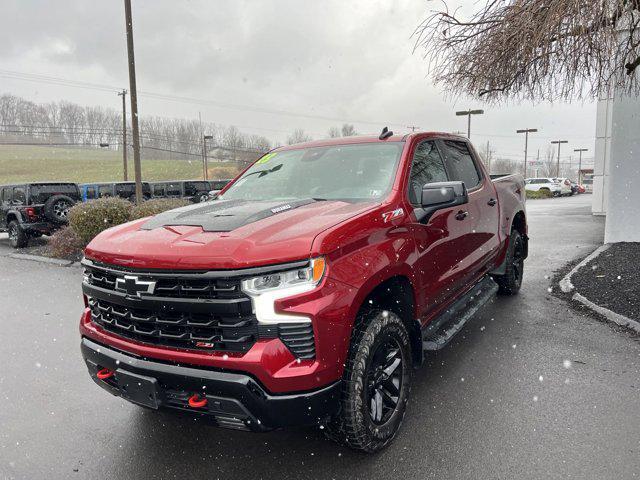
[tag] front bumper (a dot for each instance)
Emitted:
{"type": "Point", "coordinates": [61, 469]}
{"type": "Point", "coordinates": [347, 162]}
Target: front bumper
{"type": "Point", "coordinates": [234, 400]}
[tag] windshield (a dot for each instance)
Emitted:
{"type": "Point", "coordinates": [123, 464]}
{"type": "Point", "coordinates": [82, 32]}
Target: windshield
{"type": "Point", "coordinates": [354, 173]}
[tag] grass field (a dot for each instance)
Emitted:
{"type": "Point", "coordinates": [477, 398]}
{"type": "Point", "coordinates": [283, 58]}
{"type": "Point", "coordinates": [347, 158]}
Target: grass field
{"type": "Point", "coordinates": [35, 163]}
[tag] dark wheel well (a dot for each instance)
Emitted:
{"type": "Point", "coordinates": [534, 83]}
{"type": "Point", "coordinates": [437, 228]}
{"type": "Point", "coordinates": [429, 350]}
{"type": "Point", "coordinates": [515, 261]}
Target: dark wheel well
{"type": "Point", "coordinates": [11, 217]}
{"type": "Point", "coordinates": [395, 295]}
{"type": "Point", "coordinates": [519, 223]}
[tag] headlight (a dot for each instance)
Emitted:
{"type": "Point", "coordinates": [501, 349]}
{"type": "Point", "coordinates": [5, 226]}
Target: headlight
{"type": "Point", "coordinates": [308, 276]}
{"type": "Point", "coordinates": [266, 289]}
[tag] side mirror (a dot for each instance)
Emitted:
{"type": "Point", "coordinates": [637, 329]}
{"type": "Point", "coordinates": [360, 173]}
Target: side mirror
{"type": "Point", "coordinates": [439, 195]}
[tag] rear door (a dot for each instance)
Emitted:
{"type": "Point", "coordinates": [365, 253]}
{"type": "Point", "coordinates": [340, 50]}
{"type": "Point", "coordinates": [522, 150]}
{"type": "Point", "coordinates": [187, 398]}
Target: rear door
{"type": "Point", "coordinates": [478, 220]}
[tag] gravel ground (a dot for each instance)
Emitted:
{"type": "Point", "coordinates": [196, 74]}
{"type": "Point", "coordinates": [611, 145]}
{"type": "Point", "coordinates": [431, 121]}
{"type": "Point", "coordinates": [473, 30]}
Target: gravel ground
{"type": "Point", "coordinates": [611, 280]}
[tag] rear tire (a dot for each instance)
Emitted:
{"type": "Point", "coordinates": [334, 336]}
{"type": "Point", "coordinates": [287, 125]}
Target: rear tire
{"type": "Point", "coordinates": [18, 238]}
{"type": "Point", "coordinates": [376, 384]}
{"type": "Point", "coordinates": [510, 282]}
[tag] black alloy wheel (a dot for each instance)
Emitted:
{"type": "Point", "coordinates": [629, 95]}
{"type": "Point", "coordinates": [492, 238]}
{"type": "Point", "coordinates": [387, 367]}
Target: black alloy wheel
{"type": "Point", "coordinates": [384, 381]}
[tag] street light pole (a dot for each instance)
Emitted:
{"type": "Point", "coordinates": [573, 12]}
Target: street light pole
{"type": "Point", "coordinates": [468, 113]}
{"type": "Point", "coordinates": [204, 156]}
{"type": "Point", "coordinates": [526, 132]}
{"type": "Point", "coordinates": [134, 102]}
{"type": "Point", "coordinates": [559, 142]}
{"type": "Point", "coordinates": [580, 150]}
{"type": "Point", "coordinates": [123, 94]}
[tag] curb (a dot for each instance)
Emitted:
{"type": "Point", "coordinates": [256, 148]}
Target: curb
{"type": "Point", "coordinates": [567, 287]}
{"type": "Point", "coordinates": [565, 284]}
{"type": "Point", "coordinates": [41, 259]}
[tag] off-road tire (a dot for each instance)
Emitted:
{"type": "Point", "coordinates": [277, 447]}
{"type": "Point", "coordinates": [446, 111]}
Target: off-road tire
{"type": "Point", "coordinates": [56, 208]}
{"type": "Point", "coordinates": [510, 282]}
{"type": "Point", "coordinates": [353, 426]}
{"type": "Point", "coordinates": [18, 238]}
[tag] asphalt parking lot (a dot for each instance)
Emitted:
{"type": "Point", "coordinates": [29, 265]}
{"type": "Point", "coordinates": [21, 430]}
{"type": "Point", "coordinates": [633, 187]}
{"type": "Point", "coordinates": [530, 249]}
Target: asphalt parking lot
{"type": "Point", "coordinates": [530, 389]}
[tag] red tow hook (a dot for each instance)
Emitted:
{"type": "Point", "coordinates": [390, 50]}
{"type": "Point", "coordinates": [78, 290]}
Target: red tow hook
{"type": "Point", "coordinates": [196, 402]}
{"type": "Point", "coordinates": [104, 374]}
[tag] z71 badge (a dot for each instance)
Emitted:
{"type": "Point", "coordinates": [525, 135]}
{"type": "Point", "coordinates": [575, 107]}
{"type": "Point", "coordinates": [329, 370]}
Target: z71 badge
{"type": "Point", "coordinates": [388, 216]}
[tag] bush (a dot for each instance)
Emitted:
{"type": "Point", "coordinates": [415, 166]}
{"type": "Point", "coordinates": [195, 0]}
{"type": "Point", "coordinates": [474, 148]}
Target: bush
{"type": "Point", "coordinates": [156, 206]}
{"type": "Point", "coordinates": [539, 194]}
{"type": "Point", "coordinates": [65, 243]}
{"type": "Point", "coordinates": [90, 218]}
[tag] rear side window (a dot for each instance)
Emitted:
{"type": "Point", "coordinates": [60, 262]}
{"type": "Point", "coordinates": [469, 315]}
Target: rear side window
{"type": "Point", "coordinates": [125, 189]}
{"type": "Point", "coordinates": [6, 195]}
{"type": "Point", "coordinates": [174, 190]}
{"type": "Point", "coordinates": [193, 188]}
{"type": "Point", "coordinates": [91, 193]}
{"type": "Point", "coordinates": [158, 190]}
{"type": "Point", "coordinates": [426, 167]}
{"type": "Point", "coordinates": [460, 164]}
{"type": "Point", "coordinates": [105, 190]}
{"type": "Point", "coordinates": [219, 184]}
{"type": "Point", "coordinates": [19, 195]}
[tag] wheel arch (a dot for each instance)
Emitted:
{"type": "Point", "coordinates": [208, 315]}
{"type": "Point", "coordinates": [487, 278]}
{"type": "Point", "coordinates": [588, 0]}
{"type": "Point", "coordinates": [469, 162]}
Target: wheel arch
{"type": "Point", "coordinates": [395, 294]}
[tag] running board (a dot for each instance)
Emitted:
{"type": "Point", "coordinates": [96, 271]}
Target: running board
{"type": "Point", "coordinates": [442, 329]}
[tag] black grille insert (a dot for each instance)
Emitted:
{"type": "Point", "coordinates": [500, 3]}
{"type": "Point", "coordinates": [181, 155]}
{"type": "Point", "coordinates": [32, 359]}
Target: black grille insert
{"type": "Point", "coordinates": [176, 329]}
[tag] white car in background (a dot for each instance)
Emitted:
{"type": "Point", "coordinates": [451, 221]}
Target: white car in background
{"type": "Point", "coordinates": [538, 184]}
{"type": "Point", "coordinates": [565, 185]}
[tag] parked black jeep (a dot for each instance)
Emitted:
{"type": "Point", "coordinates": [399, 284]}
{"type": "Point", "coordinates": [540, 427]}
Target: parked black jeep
{"type": "Point", "coordinates": [33, 209]}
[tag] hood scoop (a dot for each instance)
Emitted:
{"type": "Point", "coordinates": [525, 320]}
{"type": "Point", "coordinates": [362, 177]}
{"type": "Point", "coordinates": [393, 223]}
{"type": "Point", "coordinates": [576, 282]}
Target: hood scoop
{"type": "Point", "coordinates": [222, 215]}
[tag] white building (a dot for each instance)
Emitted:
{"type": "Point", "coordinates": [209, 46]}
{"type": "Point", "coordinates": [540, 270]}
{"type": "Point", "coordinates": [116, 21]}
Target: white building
{"type": "Point", "coordinates": [616, 180]}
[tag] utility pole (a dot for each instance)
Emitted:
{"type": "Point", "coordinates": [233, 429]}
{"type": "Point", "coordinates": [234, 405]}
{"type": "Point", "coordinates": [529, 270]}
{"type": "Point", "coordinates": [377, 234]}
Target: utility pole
{"type": "Point", "coordinates": [488, 157]}
{"type": "Point", "coordinates": [134, 102]}
{"type": "Point", "coordinates": [468, 113]}
{"type": "Point", "coordinates": [580, 150]}
{"type": "Point", "coordinates": [559, 142]}
{"type": "Point", "coordinates": [526, 132]}
{"type": "Point", "coordinates": [204, 151]}
{"type": "Point", "coordinates": [123, 94]}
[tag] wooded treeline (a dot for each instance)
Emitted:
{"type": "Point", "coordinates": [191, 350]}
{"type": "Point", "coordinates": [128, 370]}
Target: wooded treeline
{"type": "Point", "coordinates": [67, 123]}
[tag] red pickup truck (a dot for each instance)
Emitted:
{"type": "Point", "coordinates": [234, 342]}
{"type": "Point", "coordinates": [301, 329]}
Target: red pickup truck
{"type": "Point", "coordinates": [308, 291]}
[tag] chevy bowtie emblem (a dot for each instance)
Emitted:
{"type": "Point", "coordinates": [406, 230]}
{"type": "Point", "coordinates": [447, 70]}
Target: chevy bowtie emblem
{"type": "Point", "coordinates": [131, 285]}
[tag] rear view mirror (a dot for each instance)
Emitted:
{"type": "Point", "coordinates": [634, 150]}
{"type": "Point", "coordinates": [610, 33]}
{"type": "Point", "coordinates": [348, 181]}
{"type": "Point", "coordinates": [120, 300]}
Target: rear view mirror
{"type": "Point", "coordinates": [439, 195]}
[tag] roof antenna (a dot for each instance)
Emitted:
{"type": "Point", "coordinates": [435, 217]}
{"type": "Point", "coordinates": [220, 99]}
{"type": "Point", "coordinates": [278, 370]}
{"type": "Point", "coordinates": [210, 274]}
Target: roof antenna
{"type": "Point", "coordinates": [386, 133]}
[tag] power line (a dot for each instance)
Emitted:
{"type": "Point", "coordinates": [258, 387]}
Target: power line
{"type": "Point", "coordinates": [174, 98]}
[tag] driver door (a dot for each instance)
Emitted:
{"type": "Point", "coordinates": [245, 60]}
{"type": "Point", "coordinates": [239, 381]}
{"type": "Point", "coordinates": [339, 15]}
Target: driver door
{"type": "Point", "coordinates": [438, 240]}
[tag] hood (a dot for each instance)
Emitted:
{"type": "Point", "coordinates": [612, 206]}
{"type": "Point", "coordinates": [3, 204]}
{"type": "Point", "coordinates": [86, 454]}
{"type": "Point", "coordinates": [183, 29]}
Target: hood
{"type": "Point", "coordinates": [226, 234]}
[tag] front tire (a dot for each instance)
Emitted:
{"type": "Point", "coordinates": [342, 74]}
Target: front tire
{"type": "Point", "coordinates": [376, 384]}
{"type": "Point", "coordinates": [18, 238]}
{"type": "Point", "coordinates": [510, 282]}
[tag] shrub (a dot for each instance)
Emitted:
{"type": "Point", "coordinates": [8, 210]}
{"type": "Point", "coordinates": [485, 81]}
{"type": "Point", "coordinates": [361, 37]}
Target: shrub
{"type": "Point", "coordinates": [539, 194]}
{"type": "Point", "coordinates": [228, 171]}
{"type": "Point", "coordinates": [90, 218]}
{"type": "Point", "coordinates": [155, 206]}
{"type": "Point", "coordinates": [65, 243]}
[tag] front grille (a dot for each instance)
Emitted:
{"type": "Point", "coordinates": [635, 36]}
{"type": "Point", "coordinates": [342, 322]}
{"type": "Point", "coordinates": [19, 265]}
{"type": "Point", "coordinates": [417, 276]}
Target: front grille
{"type": "Point", "coordinates": [173, 287]}
{"type": "Point", "coordinates": [200, 310]}
{"type": "Point", "coordinates": [176, 329]}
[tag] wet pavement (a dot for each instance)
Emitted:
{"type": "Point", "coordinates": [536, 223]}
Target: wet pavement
{"type": "Point", "coordinates": [529, 389]}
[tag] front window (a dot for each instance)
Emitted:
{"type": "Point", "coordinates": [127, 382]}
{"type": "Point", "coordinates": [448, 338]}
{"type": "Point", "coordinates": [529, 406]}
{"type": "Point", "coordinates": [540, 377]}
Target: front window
{"type": "Point", "coordinates": [353, 173]}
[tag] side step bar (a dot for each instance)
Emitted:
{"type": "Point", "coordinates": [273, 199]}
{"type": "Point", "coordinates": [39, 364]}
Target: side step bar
{"type": "Point", "coordinates": [442, 329]}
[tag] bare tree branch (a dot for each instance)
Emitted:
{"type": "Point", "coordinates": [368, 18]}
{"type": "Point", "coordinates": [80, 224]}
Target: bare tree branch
{"type": "Point", "coordinates": [534, 49]}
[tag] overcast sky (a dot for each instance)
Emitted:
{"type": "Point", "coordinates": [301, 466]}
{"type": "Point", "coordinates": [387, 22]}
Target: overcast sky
{"type": "Point", "coordinates": [326, 61]}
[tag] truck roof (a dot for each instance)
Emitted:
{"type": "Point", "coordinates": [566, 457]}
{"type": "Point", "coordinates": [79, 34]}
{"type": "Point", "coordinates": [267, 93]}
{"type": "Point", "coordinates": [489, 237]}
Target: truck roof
{"type": "Point", "coordinates": [368, 139]}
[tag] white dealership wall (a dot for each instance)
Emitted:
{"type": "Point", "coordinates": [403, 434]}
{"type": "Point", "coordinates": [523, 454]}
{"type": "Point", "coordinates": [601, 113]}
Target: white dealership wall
{"type": "Point", "coordinates": [616, 186]}
{"type": "Point", "coordinates": [616, 190]}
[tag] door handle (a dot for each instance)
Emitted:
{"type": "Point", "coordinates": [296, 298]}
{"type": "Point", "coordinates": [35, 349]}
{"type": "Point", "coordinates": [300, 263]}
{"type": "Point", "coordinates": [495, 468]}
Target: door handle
{"type": "Point", "coordinates": [461, 215]}
{"type": "Point", "coordinates": [492, 202]}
